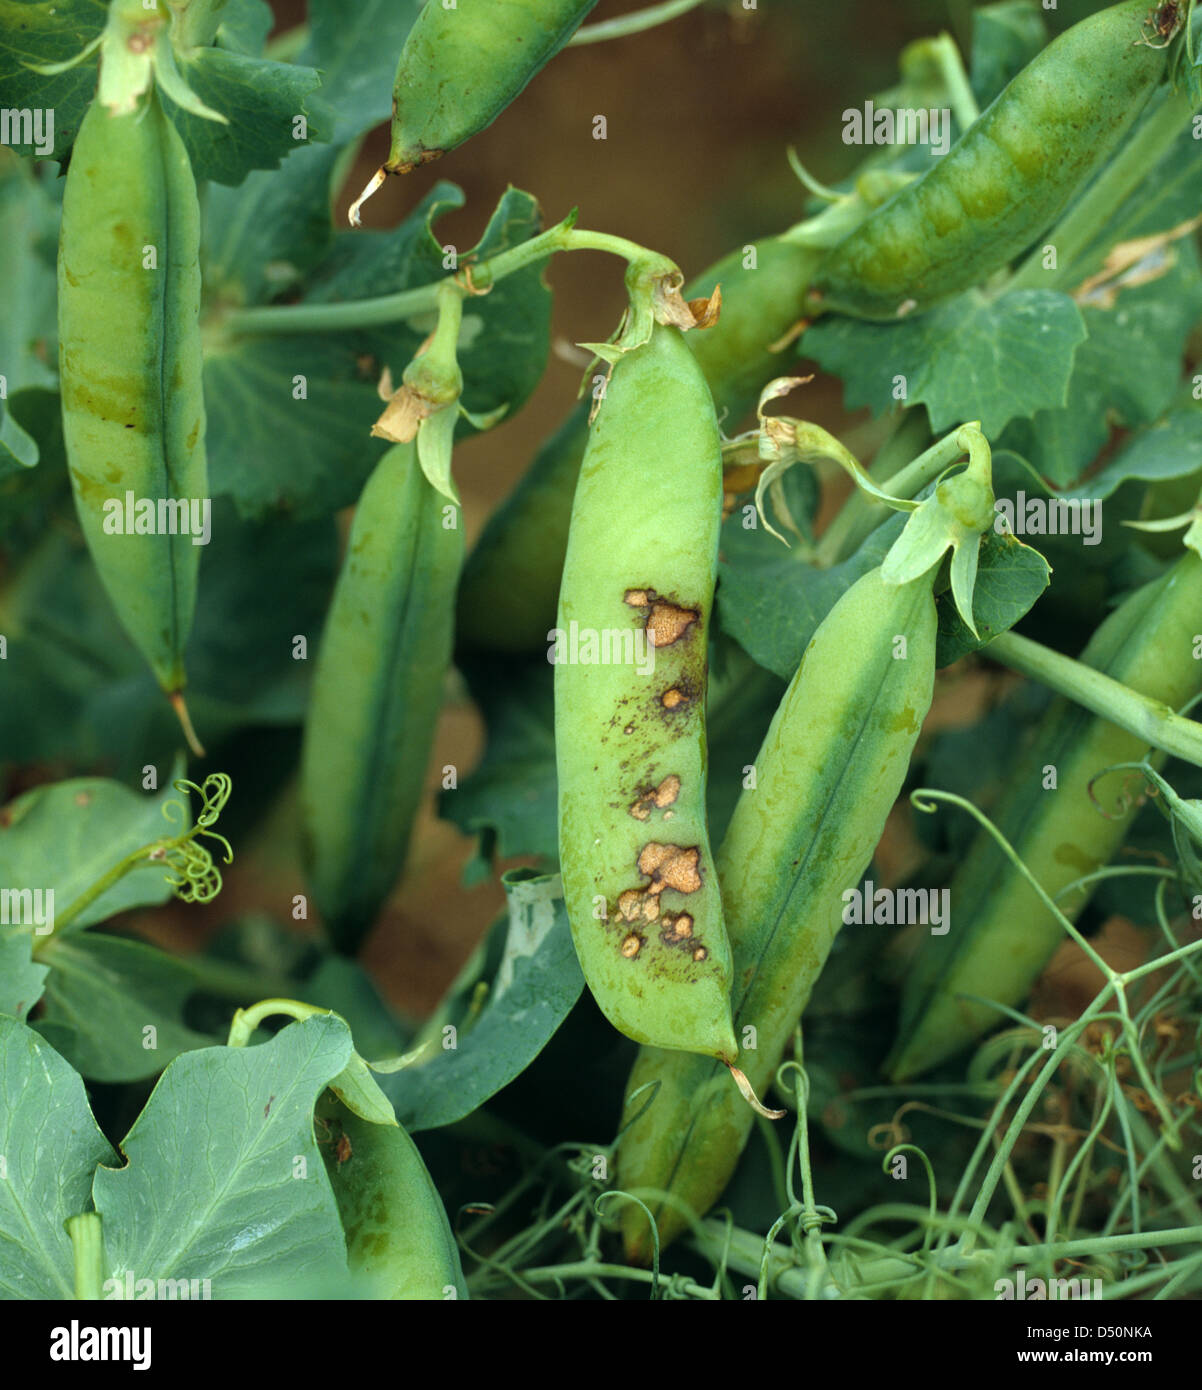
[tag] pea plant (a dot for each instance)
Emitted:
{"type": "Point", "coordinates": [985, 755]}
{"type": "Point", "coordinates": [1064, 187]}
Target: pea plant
{"type": "Point", "coordinates": [841, 779]}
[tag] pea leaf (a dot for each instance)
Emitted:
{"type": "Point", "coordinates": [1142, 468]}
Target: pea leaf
{"type": "Point", "coordinates": [537, 984]}
{"type": "Point", "coordinates": [75, 685]}
{"type": "Point", "coordinates": [51, 1145]}
{"type": "Point", "coordinates": [1171, 448]}
{"type": "Point", "coordinates": [103, 993]}
{"type": "Point", "coordinates": [21, 978]}
{"type": "Point", "coordinates": [261, 100]}
{"type": "Point", "coordinates": [356, 48]}
{"type": "Point", "coordinates": [1010, 579]}
{"type": "Point", "coordinates": [57, 841]}
{"type": "Point", "coordinates": [246, 1198]}
{"type": "Point", "coordinates": [970, 359]}
{"type": "Point", "coordinates": [1126, 371]}
{"type": "Point", "coordinates": [1005, 37]}
{"type": "Point", "coordinates": [290, 416]}
{"type": "Point", "coordinates": [770, 600]}
{"type": "Point", "coordinates": [34, 35]}
{"type": "Point", "coordinates": [511, 793]}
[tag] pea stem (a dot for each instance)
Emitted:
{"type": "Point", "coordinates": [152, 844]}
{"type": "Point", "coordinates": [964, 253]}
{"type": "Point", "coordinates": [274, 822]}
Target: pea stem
{"type": "Point", "coordinates": [87, 1248]}
{"type": "Point", "coordinates": [406, 304]}
{"type": "Point", "coordinates": [1149, 720]}
{"type": "Point", "coordinates": [1094, 212]}
{"type": "Point", "coordinates": [634, 23]}
{"type": "Point", "coordinates": [861, 515]}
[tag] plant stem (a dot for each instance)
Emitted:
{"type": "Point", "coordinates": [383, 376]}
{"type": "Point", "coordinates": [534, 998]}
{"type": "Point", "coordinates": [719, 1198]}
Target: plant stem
{"type": "Point", "coordinates": [861, 515]}
{"type": "Point", "coordinates": [407, 304]}
{"type": "Point", "coordinates": [87, 1246]}
{"type": "Point", "coordinates": [634, 23]}
{"type": "Point", "coordinates": [90, 894]}
{"type": "Point", "coordinates": [1095, 210]}
{"type": "Point", "coordinates": [1151, 721]}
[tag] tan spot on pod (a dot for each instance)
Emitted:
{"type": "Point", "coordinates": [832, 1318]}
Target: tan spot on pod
{"type": "Point", "coordinates": [631, 946]}
{"type": "Point", "coordinates": [671, 866]}
{"type": "Point", "coordinates": [700, 953]}
{"type": "Point", "coordinates": [656, 798]}
{"type": "Point", "coordinates": [673, 698]}
{"type": "Point", "coordinates": [630, 904]}
{"type": "Point", "coordinates": [666, 622]}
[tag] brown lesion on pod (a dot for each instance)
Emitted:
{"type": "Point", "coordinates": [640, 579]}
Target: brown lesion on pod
{"type": "Point", "coordinates": [676, 929]}
{"type": "Point", "coordinates": [671, 866]}
{"type": "Point", "coordinates": [656, 798]}
{"type": "Point", "coordinates": [675, 867]}
{"type": "Point", "coordinates": [666, 622]}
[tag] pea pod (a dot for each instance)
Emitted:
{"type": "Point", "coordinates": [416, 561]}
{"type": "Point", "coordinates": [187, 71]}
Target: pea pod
{"type": "Point", "coordinates": [630, 681]}
{"type": "Point", "coordinates": [377, 692]}
{"type": "Point", "coordinates": [398, 1238]}
{"type": "Point", "coordinates": [1001, 934]}
{"type": "Point", "coordinates": [511, 579]}
{"type": "Point", "coordinates": [831, 766]}
{"type": "Point", "coordinates": [460, 68]}
{"type": "Point", "coordinates": [130, 369]}
{"type": "Point", "coordinates": [1007, 179]}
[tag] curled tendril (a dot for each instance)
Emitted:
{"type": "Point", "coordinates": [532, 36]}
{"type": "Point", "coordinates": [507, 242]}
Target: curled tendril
{"type": "Point", "coordinates": [193, 875]}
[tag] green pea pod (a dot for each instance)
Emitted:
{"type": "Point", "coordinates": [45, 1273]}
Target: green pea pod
{"type": "Point", "coordinates": [398, 1238]}
{"type": "Point", "coordinates": [130, 368]}
{"type": "Point", "coordinates": [511, 579]}
{"type": "Point", "coordinates": [630, 681]}
{"type": "Point", "coordinates": [1001, 935]}
{"type": "Point", "coordinates": [377, 692]}
{"type": "Point", "coordinates": [462, 64]}
{"type": "Point", "coordinates": [1007, 179]}
{"type": "Point", "coordinates": [831, 766]}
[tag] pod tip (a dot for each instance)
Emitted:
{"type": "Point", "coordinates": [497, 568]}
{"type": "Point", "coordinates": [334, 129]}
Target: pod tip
{"type": "Point", "coordinates": [185, 721]}
{"type": "Point", "coordinates": [750, 1096]}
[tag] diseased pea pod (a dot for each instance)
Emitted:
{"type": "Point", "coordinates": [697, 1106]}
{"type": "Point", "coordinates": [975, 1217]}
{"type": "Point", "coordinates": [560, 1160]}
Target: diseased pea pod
{"type": "Point", "coordinates": [1007, 179]}
{"type": "Point", "coordinates": [130, 369]}
{"type": "Point", "coordinates": [377, 692]}
{"type": "Point", "coordinates": [1001, 934]}
{"type": "Point", "coordinates": [630, 681]}
{"type": "Point", "coordinates": [511, 580]}
{"type": "Point", "coordinates": [460, 68]}
{"type": "Point", "coordinates": [830, 769]}
{"type": "Point", "coordinates": [398, 1239]}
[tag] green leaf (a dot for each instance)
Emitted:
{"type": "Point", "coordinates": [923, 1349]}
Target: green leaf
{"type": "Point", "coordinates": [263, 237]}
{"type": "Point", "coordinates": [103, 992]}
{"type": "Point", "coordinates": [41, 33]}
{"type": "Point", "coordinates": [1005, 37]}
{"type": "Point", "coordinates": [771, 601]}
{"type": "Point", "coordinates": [1171, 448]}
{"type": "Point", "coordinates": [273, 452]}
{"type": "Point", "coordinates": [261, 101]}
{"type": "Point", "coordinates": [63, 838]}
{"type": "Point", "coordinates": [970, 359]}
{"type": "Point", "coordinates": [76, 686]}
{"type": "Point", "coordinates": [1010, 578]}
{"type": "Point", "coordinates": [537, 984]}
{"type": "Point", "coordinates": [243, 1199]}
{"type": "Point", "coordinates": [51, 1146]}
{"type": "Point", "coordinates": [512, 790]}
{"type": "Point", "coordinates": [356, 47]}
{"type": "Point", "coordinates": [29, 213]}
{"type": "Point", "coordinates": [22, 980]}
{"type": "Point", "coordinates": [344, 986]}
{"type": "Point", "coordinates": [1126, 371]}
